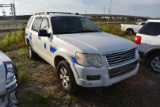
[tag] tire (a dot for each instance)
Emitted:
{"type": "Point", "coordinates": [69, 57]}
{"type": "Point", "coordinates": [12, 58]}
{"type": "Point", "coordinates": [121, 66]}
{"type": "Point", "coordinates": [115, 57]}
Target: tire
{"type": "Point", "coordinates": [154, 62]}
{"type": "Point", "coordinates": [66, 78]}
{"type": "Point", "coordinates": [12, 99]}
{"type": "Point", "coordinates": [31, 53]}
{"type": "Point", "coordinates": [130, 32]}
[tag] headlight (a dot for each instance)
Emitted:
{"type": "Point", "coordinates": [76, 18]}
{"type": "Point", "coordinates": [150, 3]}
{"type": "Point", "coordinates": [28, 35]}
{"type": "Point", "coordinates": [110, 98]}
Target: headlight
{"type": "Point", "coordinates": [10, 71]}
{"type": "Point", "coordinates": [89, 60]}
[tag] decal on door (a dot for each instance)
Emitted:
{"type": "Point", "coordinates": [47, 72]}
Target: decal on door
{"type": "Point", "coordinates": [52, 49]}
{"type": "Point", "coordinates": [45, 45]}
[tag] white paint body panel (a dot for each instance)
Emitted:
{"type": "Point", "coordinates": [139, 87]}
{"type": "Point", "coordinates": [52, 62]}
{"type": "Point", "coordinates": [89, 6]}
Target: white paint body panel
{"type": "Point", "coordinates": [2, 78]}
{"type": "Point", "coordinates": [148, 41]}
{"type": "Point", "coordinates": [66, 46]}
{"type": "Point", "coordinates": [135, 28]}
{"type": "Point", "coordinates": [7, 91]}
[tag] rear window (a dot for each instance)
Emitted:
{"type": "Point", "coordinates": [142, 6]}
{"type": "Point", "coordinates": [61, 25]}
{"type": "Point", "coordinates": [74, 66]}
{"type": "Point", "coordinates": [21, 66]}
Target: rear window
{"type": "Point", "coordinates": [150, 28]}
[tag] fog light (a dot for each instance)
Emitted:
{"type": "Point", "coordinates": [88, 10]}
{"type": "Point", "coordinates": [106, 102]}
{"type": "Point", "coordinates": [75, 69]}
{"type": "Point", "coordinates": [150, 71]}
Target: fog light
{"type": "Point", "coordinates": [93, 77]}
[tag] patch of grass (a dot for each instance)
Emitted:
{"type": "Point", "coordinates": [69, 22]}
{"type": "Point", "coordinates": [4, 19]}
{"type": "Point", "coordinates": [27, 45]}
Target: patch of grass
{"type": "Point", "coordinates": [12, 40]}
{"type": "Point", "coordinates": [113, 29]}
{"type": "Point", "coordinates": [36, 98]}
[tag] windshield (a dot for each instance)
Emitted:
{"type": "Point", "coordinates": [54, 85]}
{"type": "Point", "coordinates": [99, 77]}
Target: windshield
{"type": "Point", "coordinates": [67, 24]}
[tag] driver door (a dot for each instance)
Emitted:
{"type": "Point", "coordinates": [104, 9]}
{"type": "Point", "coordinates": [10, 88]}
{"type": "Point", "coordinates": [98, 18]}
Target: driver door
{"type": "Point", "coordinates": [45, 41]}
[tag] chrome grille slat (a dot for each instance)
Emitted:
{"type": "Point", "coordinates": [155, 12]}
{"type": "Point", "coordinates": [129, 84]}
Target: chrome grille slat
{"type": "Point", "coordinates": [133, 50]}
{"type": "Point", "coordinates": [120, 57]}
{"type": "Point", "coordinates": [121, 60]}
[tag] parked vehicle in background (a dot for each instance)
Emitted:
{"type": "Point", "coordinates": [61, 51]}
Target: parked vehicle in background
{"type": "Point", "coordinates": [148, 43]}
{"type": "Point", "coordinates": [8, 82]}
{"type": "Point", "coordinates": [132, 28]}
{"type": "Point", "coordinates": [80, 52]}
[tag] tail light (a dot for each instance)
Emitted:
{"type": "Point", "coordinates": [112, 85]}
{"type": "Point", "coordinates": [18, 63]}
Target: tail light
{"type": "Point", "coordinates": [138, 39]}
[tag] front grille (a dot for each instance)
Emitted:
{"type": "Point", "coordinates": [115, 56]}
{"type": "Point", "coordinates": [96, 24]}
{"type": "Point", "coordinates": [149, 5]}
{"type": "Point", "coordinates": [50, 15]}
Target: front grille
{"type": "Point", "coordinates": [123, 69]}
{"type": "Point", "coordinates": [120, 57]}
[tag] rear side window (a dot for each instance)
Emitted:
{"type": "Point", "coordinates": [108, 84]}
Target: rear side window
{"type": "Point", "coordinates": [36, 24]}
{"type": "Point", "coordinates": [29, 22]}
{"type": "Point", "coordinates": [151, 28]}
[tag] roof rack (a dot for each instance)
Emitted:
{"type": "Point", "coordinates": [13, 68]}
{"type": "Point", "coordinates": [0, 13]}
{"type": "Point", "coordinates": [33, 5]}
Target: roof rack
{"type": "Point", "coordinates": [47, 13]}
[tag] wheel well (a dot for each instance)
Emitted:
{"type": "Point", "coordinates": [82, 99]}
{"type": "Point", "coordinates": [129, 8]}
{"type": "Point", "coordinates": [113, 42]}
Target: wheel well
{"type": "Point", "coordinates": [129, 29]}
{"type": "Point", "coordinates": [27, 41]}
{"type": "Point", "coordinates": [151, 53]}
{"type": "Point", "coordinates": [57, 60]}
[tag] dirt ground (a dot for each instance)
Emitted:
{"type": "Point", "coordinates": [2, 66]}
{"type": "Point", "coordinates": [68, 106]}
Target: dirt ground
{"type": "Point", "coordinates": [38, 87]}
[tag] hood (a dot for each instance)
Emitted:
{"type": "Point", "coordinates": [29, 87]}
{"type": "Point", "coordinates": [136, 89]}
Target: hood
{"type": "Point", "coordinates": [3, 57]}
{"type": "Point", "coordinates": [98, 43]}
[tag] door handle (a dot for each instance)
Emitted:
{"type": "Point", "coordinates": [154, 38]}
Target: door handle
{"type": "Point", "coordinates": [39, 38]}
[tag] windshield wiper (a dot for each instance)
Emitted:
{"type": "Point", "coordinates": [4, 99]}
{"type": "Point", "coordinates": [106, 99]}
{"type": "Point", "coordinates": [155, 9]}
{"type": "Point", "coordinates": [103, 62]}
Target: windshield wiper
{"type": "Point", "coordinates": [77, 31]}
{"type": "Point", "coordinates": [88, 31]}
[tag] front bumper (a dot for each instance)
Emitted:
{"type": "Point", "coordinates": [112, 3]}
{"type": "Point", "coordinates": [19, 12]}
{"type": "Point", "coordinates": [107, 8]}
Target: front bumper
{"type": "Point", "coordinates": [103, 72]}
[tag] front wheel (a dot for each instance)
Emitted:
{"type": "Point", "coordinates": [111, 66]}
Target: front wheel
{"type": "Point", "coordinates": [66, 78]}
{"type": "Point", "coordinates": [154, 62]}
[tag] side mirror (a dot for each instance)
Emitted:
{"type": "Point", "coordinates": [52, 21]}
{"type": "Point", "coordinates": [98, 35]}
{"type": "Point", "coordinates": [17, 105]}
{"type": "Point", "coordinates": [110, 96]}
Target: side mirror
{"type": "Point", "coordinates": [43, 33]}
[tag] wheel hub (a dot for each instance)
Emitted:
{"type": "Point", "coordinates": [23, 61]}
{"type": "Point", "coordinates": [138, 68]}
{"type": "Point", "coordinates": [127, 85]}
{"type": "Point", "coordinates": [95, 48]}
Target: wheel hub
{"type": "Point", "coordinates": [155, 63]}
{"type": "Point", "coordinates": [64, 77]}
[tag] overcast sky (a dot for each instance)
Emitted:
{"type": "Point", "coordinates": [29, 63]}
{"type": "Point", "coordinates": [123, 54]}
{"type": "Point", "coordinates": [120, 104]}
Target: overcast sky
{"type": "Point", "coordinates": [148, 8]}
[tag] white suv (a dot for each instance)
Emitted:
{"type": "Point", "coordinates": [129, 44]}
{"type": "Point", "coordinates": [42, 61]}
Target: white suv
{"type": "Point", "coordinates": [80, 52]}
{"type": "Point", "coordinates": [148, 43]}
{"type": "Point", "coordinates": [8, 82]}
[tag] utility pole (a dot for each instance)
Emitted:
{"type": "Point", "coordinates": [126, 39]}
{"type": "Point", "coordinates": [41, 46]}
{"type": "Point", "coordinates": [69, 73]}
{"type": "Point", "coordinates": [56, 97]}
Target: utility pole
{"type": "Point", "coordinates": [14, 10]}
{"type": "Point", "coordinates": [104, 12]}
{"type": "Point", "coordinates": [110, 11]}
{"type": "Point", "coordinates": [12, 7]}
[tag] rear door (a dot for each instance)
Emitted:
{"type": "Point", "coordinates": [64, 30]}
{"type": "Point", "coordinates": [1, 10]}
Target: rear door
{"type": "Point", "coordinates": [2, 78]}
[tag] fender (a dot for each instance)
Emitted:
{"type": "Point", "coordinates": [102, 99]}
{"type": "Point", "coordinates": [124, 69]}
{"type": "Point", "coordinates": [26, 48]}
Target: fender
{"type": "Point", "coordinates": [70, 58]}
{"type": "Point", "coordinates": [28, 37]}
{"type": "Point", "coordinates": [151, 49]}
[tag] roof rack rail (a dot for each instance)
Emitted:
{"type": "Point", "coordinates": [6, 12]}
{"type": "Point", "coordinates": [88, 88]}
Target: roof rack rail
{"type": "Point", "coordinates": [47, 13]}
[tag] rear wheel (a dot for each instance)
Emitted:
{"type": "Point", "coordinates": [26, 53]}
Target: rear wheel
{"type": "Point", "coordinates": [130, 32]}
{"type": "Point", "coordinates": [31, 53]}
{"type": "Point", "coordinates": [66, 78]}
{"type": "Point", "coordinates": [154, 62]}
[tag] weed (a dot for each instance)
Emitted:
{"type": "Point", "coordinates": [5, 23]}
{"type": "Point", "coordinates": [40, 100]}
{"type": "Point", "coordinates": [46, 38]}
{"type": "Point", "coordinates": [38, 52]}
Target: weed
{"type": "Point", "coordinates": [10, 40]}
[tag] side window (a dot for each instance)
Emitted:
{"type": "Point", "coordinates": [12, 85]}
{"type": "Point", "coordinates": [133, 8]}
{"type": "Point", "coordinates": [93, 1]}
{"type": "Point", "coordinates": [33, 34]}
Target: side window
{"type": "Point", "coordinates": [143, 23]}
{"type": "Point", "coordinates": [29, 22]}
{"type": "Point", "coordinates": [36, 24]}
{"type": "Point", "coordinates": [151, 28]}
{"type": "Point", "coordinates": [45, 24]}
